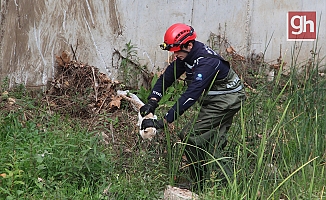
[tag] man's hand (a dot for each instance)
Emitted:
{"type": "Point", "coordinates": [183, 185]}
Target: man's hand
{"type": "Point", "coordinates": [158, 124]}
{"type": "Point", "coordinates": [148, 108]}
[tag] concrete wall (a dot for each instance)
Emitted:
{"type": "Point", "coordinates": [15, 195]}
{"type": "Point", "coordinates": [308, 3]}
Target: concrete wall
{"type": "Point", "coordinates": [33, 32]}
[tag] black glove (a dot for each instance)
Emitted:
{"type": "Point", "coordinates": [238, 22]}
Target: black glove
{"type": "Point", "coordinates": [158, 124]}
{"type": "Point", "coordinates": [148, 108]}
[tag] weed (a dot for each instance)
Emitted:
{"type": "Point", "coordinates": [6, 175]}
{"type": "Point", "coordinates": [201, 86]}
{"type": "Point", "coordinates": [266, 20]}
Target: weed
{"type": "Point", "coordinates": [131, 70]}
{"type": "Point", "coordinates": [4, 84]}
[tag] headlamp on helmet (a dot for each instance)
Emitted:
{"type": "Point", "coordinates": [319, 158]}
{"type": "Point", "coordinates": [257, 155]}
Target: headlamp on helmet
{"type": "Point", "coordinates": [167, 47]}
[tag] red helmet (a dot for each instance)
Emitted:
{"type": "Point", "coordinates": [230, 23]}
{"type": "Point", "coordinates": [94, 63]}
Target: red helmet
{"type": "Point", "coordinates": [177, 35]}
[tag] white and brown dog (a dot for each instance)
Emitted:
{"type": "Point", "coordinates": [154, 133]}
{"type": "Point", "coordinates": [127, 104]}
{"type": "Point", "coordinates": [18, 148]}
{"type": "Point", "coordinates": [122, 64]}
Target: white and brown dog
{"type": "Point", "coordinates": [149, 132]}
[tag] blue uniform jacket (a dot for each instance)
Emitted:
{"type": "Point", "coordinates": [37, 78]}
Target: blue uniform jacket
{"type": "Point", "coordinates": [200, 69]}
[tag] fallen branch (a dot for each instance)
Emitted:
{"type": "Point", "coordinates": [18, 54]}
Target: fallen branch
{"type": "Point", "coordinates": [95, 84]}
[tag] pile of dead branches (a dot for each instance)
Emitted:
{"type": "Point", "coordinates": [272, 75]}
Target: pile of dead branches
{"type": "Point", "coordinates": [79, 89]}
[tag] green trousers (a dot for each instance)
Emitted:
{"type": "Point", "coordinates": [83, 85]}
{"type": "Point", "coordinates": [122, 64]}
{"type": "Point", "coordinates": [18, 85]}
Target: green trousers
{"type": "Point", "coordinates": [207, 135]}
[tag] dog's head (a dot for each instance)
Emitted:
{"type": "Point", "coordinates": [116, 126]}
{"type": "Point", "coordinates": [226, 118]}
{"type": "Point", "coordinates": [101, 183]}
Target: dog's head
{"type": "Point", "coordinates": [150, 132]}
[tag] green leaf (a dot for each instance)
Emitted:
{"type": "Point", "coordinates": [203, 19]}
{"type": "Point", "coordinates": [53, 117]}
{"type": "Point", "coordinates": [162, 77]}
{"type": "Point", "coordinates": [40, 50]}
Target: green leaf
{"type": "Point", "coordinates": [41, 167]}
{"type": "Point", "coordinates": [19, 182]}
{"type": "Point", "coordinates": [19, 192]}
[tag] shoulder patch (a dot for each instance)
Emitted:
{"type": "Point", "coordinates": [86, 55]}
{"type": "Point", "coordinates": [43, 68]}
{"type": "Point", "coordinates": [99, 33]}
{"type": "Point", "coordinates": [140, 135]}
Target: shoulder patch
{"type": "Point", "coordinates": [199, 77]}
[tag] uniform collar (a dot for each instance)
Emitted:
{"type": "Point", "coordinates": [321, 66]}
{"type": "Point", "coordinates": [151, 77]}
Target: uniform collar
{"type": "Point", "coordinates": [193, 54]}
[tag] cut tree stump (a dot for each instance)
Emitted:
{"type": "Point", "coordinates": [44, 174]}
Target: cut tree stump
{"type": "Point", "coordinates": [174, 193]}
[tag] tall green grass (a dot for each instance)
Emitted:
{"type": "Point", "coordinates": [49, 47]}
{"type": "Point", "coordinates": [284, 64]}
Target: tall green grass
{"type": "Point", "coordinates": [279, 142]}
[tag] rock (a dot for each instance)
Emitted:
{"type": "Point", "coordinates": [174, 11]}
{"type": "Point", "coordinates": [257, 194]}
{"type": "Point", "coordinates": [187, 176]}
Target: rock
{"type": "Point", "coordinates": [11, 101]}
{"type": "Point", "coordinates": [174, 193]}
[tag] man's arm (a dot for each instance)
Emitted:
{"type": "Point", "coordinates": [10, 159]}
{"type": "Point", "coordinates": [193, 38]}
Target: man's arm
{"type": "Point", "coordinates": [171, 74]}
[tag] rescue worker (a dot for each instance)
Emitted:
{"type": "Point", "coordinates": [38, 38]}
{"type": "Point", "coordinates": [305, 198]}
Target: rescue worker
{"type": "Point", "coordinates": [214, 83]}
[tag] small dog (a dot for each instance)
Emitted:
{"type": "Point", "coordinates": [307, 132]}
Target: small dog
{"type": "Point", "coordinates": [148, 133]}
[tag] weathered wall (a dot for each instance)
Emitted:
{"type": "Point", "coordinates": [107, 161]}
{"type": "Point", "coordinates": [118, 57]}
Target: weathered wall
{"type": "Point", "coordinates": [31, 34]}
